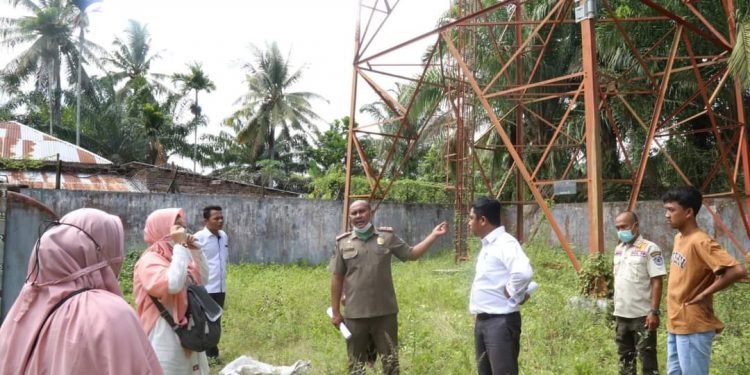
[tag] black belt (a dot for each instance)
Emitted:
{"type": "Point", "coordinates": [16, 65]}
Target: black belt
{"type": "Point", "coordinates": [485, 316]}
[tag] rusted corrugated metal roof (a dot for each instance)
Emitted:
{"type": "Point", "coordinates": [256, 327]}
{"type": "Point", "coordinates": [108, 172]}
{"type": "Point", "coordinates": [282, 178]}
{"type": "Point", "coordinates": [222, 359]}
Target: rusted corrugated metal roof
{"type": "Point", "coordinates": [18, 141]}
{"type": "Point", "coordinates": [70, 181]}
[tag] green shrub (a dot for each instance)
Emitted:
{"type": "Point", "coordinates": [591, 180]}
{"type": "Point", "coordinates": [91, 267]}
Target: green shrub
{"type": "Point", "coordinates": [596, 278]}
{"type": "Point", "coordinates": [331, 187]}
{"type": "Point", "coordinates": [126, 274]}
{"type": "Point", "coordinates": [20, 164]}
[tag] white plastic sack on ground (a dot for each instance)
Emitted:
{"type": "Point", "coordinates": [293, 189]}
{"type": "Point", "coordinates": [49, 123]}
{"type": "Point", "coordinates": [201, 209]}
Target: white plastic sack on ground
{"type": "Point", "coordinates": [245, 365]}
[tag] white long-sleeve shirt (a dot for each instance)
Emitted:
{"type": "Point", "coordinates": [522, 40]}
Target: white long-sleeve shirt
{"type": "Point", "coordinates": [163, 339]}
{"type": "Point", "coordinates": [501, 265]}
{"type": "Point", "coordinates": [177, 271]}
{"type": "Point", "coordinates": [216, 249]}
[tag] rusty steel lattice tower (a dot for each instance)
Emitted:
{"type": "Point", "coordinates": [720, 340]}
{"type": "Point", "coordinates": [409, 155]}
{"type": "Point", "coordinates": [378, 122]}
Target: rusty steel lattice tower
{"type": "Point", "coordinates": [486, 113]}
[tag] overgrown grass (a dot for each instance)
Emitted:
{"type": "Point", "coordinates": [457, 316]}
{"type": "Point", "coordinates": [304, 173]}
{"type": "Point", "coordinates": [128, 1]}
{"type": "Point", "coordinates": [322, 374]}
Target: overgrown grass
{"type": "Point", "coordinates": [276, 314]}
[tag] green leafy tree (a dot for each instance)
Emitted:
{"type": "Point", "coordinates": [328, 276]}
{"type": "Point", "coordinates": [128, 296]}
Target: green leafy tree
{"type": "Point", "coordinates": [106, 128]}
{"type": "Point", "coordinates": [229, 159]}
{"type": "Point", "coordinates": [425, 115]}
{"type": "Point", "coordinates": [328, 149]}
{"type": "Point", "coordinates": [124, 128]}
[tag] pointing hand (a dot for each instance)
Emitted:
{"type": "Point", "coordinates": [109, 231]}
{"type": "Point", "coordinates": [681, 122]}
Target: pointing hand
{"type": "Point", "coordinates": [441, 229]}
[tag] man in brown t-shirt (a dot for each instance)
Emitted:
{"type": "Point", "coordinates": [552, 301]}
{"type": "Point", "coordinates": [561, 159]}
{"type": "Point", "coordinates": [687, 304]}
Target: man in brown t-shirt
{"type": "Point", "coordinates": [699, 268]}
{"type": "Point", "coordinates": [361, 264]}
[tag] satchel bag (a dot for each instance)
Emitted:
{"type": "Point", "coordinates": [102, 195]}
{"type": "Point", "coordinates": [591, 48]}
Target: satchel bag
{"type": "Point", "coordinates": [203, 328]}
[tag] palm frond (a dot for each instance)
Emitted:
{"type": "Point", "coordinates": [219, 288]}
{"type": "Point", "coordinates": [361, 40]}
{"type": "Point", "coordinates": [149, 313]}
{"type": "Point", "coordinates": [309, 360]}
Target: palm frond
{"type": "Point", "coordinates": [739, 61]}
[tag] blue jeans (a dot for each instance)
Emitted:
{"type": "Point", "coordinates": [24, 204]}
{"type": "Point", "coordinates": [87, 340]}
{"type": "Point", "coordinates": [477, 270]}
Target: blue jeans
{"type": "Point", "coordinates": [689, 354]}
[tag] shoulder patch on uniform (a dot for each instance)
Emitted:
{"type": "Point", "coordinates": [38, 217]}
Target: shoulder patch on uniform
{"type": "Point", "coordinates": [658, 260]}
{"type": "Point", "coordinates": [385, 229]}
{"type": "Point", "coordinates": [654, 249]}
{"type": "Point", "coordinates": [342, 235]}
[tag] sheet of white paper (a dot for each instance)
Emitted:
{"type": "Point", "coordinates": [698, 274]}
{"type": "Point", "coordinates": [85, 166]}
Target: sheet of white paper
{"type": "Point", "coordinates": [342, 327]}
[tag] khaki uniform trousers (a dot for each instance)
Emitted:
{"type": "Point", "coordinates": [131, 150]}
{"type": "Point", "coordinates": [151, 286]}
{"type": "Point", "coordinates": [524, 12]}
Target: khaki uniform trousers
{"type": "Point", "coordinates": [383, 332]}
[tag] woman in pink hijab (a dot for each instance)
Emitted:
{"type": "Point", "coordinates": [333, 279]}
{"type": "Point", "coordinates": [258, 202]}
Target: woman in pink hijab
{"type": "Point", "coordinates": [164, 271]}
{"type": "Point", "coordinates": [70, 317]}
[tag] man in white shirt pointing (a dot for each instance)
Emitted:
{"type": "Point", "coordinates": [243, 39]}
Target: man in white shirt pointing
{"type": "Point", "coordinates": [503, 273]}
{"type": "Point", "coordinates": [215, 245]}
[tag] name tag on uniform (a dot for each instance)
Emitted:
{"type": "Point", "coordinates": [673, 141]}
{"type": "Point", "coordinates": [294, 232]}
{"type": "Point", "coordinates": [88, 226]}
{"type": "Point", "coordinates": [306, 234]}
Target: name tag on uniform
{"type": "Point", "coordinates": [348, 253]}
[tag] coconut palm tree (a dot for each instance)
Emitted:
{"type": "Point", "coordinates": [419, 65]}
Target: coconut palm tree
{"type": "Point", "coordinates": [132, 60]}
{"type": "Point", "coordinates": [195, 81]}
{"type": "Point", "coordinates": [269, 107]}
{"type": "Point", "coordinates": [49, 45]}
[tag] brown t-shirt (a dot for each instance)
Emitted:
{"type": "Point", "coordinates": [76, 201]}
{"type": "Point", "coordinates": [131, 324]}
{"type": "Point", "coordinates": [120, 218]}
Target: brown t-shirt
{"type": "Point", "coordinates": [696, 258]}
{"type": "Point", "coordinates": [366, 266]}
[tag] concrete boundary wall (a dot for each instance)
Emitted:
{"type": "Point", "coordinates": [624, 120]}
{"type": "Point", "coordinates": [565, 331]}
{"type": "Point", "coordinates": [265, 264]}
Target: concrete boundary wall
{"type": "Point", "coordinates": [287, 230]}
{"type": "Point", "coordinates": [573, 220]}
{"type": "Point", "coordinates": [261, 230]}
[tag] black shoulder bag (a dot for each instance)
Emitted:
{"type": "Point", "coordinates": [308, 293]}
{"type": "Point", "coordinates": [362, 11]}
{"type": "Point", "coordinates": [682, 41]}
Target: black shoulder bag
{"type": "Point", "coordinates": [203, 328]}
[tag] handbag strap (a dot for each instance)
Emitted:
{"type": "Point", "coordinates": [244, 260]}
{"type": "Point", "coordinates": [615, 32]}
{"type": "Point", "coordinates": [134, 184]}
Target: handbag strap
{"type": "Point", "coordinates": [164, 313]}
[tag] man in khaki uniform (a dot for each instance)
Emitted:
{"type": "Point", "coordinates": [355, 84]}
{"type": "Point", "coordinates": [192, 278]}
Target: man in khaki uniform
{"type": "Point", "coordinates": [639, 272]}
{"type": "Point", "coordinates": [361, 264]}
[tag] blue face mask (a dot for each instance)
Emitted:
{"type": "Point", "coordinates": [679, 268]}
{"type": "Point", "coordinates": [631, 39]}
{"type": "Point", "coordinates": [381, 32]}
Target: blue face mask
{"type": "Point", "coordinates": [625, 235]}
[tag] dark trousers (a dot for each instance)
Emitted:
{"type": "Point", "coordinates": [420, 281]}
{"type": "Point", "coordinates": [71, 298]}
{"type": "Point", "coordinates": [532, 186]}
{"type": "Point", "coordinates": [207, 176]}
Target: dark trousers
{"type": "Point", "coordinates": [219, 298]}
{"type": "Point", "coordinates": [497, 339]}
{"type": "Point", "coordinates": [381, 331]}
{"type": "Point", "coordinates": [633, 339]}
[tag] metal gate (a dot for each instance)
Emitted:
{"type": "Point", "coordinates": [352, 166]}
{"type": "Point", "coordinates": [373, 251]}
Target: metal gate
{"type": "Point", "coordinates": [21, 218]}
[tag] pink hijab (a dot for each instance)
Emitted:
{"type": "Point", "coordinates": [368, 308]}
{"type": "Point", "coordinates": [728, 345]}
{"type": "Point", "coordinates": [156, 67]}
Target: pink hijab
{"type": "Point", "coordinates": [93, 332]}
{"type": "Point", "coordinates": [150, 275]}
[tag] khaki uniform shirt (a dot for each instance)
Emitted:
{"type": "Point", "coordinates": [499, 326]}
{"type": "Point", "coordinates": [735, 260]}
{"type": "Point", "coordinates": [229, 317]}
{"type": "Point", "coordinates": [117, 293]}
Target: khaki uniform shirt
{"type": "Point", "coordinates": [635, 264]}
{"type": "Point", "coordinates": [695, 260]}
{"type": "Point", "coordinates": [366, 267]}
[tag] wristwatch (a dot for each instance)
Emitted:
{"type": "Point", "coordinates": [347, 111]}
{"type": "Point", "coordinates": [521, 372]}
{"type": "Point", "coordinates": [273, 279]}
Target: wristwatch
{"type": "Point", "coordinates": [656, 312]}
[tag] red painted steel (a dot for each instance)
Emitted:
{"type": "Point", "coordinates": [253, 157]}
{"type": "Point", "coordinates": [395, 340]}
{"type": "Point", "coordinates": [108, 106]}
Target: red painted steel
{"type": "Point", "coordinates": [507, 99]}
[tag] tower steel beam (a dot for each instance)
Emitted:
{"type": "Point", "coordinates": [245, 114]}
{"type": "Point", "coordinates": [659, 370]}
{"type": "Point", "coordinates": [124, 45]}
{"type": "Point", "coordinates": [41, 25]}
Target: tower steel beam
{"type": "Point", "coordinates": [551, 120]}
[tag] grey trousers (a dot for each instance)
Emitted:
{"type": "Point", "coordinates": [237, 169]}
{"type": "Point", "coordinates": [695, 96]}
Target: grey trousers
{"type": "Point", "coordinates": [497, 339]}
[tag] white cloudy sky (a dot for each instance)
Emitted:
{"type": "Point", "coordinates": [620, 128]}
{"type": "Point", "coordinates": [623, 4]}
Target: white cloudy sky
{"type": "Point", "coordinates": [318, 34]}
